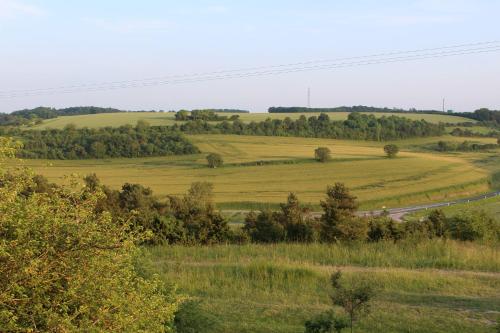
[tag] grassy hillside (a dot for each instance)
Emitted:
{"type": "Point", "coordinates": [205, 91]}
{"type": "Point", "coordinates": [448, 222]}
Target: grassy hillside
{"type": "Point", "coordinates": [426, 287]}
{"type": "Point", "coordinates": [261, 171]}
{"type": "Point", "coordinates": [154, 118]}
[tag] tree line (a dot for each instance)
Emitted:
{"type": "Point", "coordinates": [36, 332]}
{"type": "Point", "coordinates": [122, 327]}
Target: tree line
{"type": "Point", "coordinates": [339, 222]}
{"type": "Point", "coordinates": [204, 115]}
{"type": "Point", "coordinates": [194, 219]}
{"type": "Point", "coordinates": [356, 108]}
{"type": "Point", "coordinates": [141, 140]}
{"type": "Point", "coordinates": [37, 115]}
{"type": "Point", "coordinates": [445, 146]}
{"type": "Point", "coordinates": [468, 133]}
{"type": "Point", "coordinates": [483, 115]}
{"type": "Point", "coordinates": [357, 127]}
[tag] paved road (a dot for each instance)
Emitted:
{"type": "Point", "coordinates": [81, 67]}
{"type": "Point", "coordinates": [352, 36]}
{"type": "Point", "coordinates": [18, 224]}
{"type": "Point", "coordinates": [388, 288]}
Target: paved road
{"type": "Point", "coordinates": [398, 213]}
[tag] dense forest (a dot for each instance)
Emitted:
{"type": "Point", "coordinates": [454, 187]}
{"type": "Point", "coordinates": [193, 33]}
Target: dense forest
{"type": "Point", "coordinates": [357, 127]}
{"type": "Point", "coordinates": [125, 141]}
{"type": "Point", "coordinates": [482, 115]}
{"type": "Point", "coordinates": [356, 108]}
{"type": "Point", "coordinates": [205, 115]}
{"type": "Point", "coordinates": [223, 110]}
{"type": "Point", "coordinates": [37, 115]}
{"type": "Point", "coordinates": [486, 116]}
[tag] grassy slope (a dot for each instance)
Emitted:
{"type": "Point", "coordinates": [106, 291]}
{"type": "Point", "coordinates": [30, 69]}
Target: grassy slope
{"type": "Point", "coordinates": [413, 177]}
{"type": "Point", "coordinates": [166, 118]}
{"type": "Point", "coordinates": [432, 287]}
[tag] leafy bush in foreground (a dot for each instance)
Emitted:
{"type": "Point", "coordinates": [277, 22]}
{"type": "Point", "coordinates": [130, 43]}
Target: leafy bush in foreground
{"type": "Point", "coordinates": [65, 267]}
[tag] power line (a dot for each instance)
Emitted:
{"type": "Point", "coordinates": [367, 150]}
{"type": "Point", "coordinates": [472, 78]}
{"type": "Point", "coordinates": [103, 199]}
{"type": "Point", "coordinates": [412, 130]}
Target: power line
{"type": "Point", "coordinates": [254, 68]}
{"type": "Point", "coordinates": [380, 58]}
{"type": "Point", "coordinates": [272, 72]}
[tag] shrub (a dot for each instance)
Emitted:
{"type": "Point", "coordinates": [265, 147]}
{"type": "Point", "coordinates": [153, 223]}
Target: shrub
{"type": "Point", "coordinates": [327, 322]}
{"type": "Point", "coordinates": [384, 228]}
{"type": "Point", "coordinates": [339, 221]}
{"type": "Point", "coordinates": [264, 227]}
{"type": "Point", "coordinates": [290, 224]}
{"type": "Point", "coordinates": [191, 318]}
{"type": "Point", "coordinates": [391, 150]}
{"type": "Point", "coordinates": [354, 300]}
{"type": "Point", "coordinates": [214, 160]}
{"type": "Point", "coordinates": [65, 267]}
{"type": "Point", "coordinates": [322, 154]}
{"type": "Point", "coordinates": [470, 226]}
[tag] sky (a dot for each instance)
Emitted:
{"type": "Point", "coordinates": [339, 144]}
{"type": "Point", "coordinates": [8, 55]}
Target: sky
{"type": "Point", "coordinates": [60, 43]}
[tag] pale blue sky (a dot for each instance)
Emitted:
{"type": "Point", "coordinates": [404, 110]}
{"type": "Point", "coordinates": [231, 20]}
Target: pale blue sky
{"type": "Point", "coordinates": [58, 43]}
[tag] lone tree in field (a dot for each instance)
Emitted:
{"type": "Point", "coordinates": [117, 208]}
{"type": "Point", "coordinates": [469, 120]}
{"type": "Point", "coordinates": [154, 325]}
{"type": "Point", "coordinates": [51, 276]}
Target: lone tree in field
{"type": "Point", "coordinates": [391, 150]}
{"type": "Point", "coordinates": [322, 154]}
{"type": "Point", "coordinates": [214, 160]}
{"type": "Point", "coordinates": [354, 300]}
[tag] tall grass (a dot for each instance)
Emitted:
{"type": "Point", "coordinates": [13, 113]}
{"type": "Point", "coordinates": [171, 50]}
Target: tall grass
{"type": "Point", "coordinates": [433, 286]}
{"type": "Point", "coordinates": [435, 254]}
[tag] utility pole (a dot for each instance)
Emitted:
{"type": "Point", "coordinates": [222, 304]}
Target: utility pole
{"type": "Point", "coordinates": [443, 104]}
{"type": "Point", "coordinates": [309, 97]}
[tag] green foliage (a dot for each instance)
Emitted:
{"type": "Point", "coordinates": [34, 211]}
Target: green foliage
{"type": "Point", "coordinates": [66, 267]}
{"type": "Point", "coordinates": [200, 220]}
{"type": "Point", "coordinates": [357, 127]}
{"type": "Point", "coordinates": [464, 146]}
{"type": "Point", "coordinates": [191, 318]}
{"type": "Point", "coordinates": [264, 227]}
{"type": "Point", "coordinates": [126, 141]}
{"type": "Point", "coordinates": [474, 226]}
{"type": "Point", "coordinates": [326, 322]}
{"type": "Point", "coordinates": [290, 224]}
{"type": "Point", "coordinates": [384, 228]}
{"type": "Point", "coordinates": [436, 222]}
{"type": "Point", "coordinates": [354, 299]}
{"type": "Point", "coordinates": [484, 115]}
{"type": "Point", "coordinates": [191, 219]}
{"type": "Point", "coordinates": [203, 115]}
{"type": "Point", "coordinates": [322, 154]}
{"type": "Point", "coordinates": [214, 160]}
{"type": "Point", "coordinates": [356, 108]}
{"type": "Point", "coordinates": [36, 115]}
{"type": "Point", "coordinates": [391, 150]}
{"type": "Point", "coordinates": [339, 221]}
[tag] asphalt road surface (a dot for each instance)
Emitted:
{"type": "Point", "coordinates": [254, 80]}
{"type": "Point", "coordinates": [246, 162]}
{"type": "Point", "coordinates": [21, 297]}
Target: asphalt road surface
{"type": "Point", "coordinates": [398, 213]}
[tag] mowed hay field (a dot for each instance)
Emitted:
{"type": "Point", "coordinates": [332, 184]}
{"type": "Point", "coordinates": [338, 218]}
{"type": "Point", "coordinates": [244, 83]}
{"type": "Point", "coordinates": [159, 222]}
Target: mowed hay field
{"type": "Point", "coordinates": [433, 286]}
{"type": "Point", "coordinates": [261, 171]}
{"type": "Point", "coordinates": [167, 118]}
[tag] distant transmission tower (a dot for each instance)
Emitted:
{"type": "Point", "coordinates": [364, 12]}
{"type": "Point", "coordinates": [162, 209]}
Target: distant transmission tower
{"type": "Point", "coordinates": [308, 97]}
{"type": "Point", "coordinates": [443, 104]}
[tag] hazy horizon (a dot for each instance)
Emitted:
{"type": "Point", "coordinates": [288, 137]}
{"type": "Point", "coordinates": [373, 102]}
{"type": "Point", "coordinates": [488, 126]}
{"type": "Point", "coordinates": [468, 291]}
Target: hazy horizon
{"type": "Point", "coordinates": [54, 43]}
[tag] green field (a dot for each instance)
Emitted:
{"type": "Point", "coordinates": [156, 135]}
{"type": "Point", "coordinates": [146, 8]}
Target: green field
{"type": "Point", "coordinates": [426, 287]}
{"type": "Point", "coordinates": [167, 118]}
{"type": "Point", "coordinates": [287, 165]}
